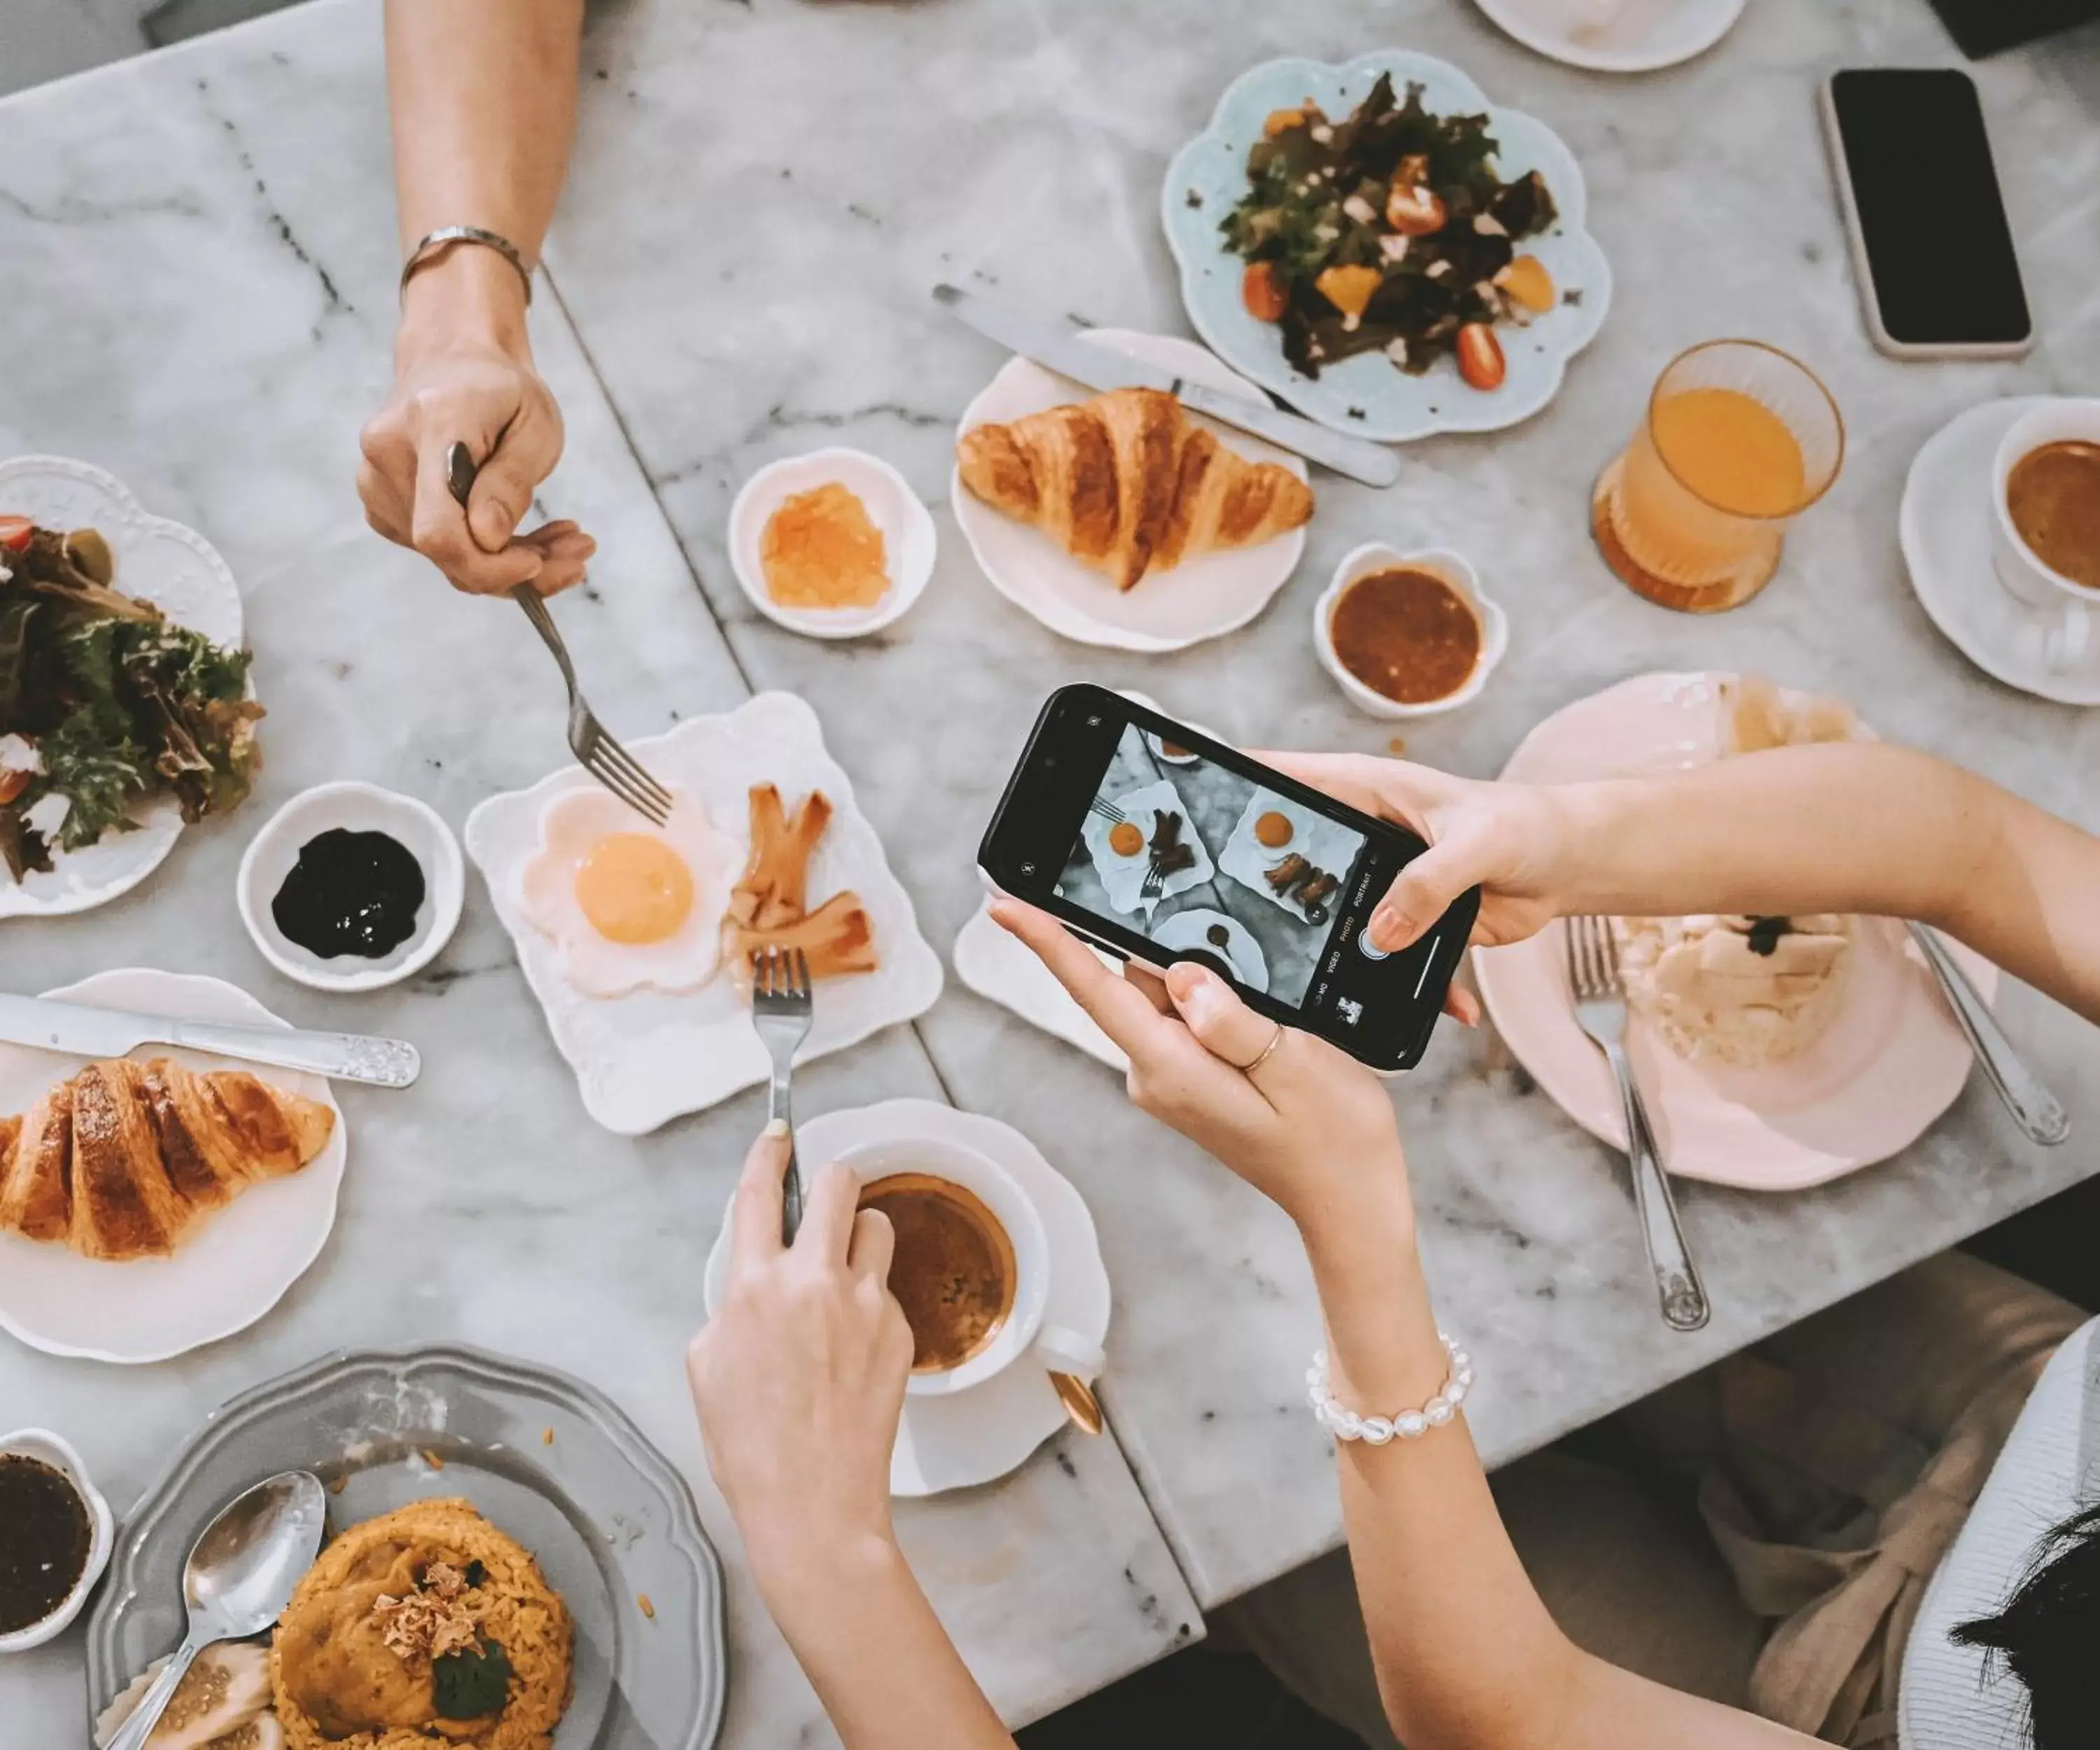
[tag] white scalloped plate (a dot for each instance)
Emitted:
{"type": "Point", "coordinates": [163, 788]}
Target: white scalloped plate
{"type": "Point", "coordinates": [239, 1263]}
{"type": "Point", "coordinates": [642, 1060]}
{"type": "Point", "coordinates": [1200, 598]}
{"type": "Point", "coordinates": [1367, 396]}
{"type": "Point", "coordinates": [178, 571]}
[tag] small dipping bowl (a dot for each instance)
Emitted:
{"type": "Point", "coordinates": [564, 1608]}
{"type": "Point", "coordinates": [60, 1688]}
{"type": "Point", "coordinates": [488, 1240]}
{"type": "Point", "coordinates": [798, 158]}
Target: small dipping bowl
{"type": "Point", "coordinates": [355, 807]}
{"type": "Point", "coordinates": [47, 1447]}
{"type": "Point", "coordinates": [907, 537]}
{"type": "Point", "coordinates": [1439, 563]}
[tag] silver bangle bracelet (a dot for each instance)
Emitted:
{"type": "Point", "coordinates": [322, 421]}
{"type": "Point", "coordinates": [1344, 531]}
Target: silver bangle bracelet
{"type": "Point", "coordinates": [439, 241]}
{"type": "Point", "coordinates": [1345, 1424]}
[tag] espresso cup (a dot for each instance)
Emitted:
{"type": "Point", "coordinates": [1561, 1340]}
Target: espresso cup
{"type": "Point", "coordinates": [1024, 1332]}
{"type": "Point", "coordinates": [2064, 611]}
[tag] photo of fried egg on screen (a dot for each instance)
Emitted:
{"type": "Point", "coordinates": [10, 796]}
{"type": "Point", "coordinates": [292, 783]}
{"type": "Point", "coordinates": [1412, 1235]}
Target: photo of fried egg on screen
{"type": "Point", "coordinates": [1211, 866]}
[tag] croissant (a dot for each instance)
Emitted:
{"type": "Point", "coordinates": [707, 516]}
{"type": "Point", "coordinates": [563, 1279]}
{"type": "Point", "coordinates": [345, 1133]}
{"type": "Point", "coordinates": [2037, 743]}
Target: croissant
{"type": "Point", "coordinates": [1127, 484]}
{"type": "Point", "coordinates": [123, 1160]}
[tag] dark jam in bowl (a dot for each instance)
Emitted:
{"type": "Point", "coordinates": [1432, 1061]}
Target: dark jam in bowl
{"type": "Point", "coordinates": [45, 1537]}
{"type": "Point", "coordinates": [351, 892]}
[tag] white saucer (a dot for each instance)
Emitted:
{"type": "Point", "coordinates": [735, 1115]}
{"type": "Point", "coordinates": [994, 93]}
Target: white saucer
{"type": "Point", "coordinates": [1241, 952]}
{"type": "Point", "coordinates": [1945, 528]}
{"type": "Point", "coordinates": [237, 1266]}
{"type": "Point", "coordinates": [1642, 35]}
{"type": "Point", "coordinates": [1168, 610]}
{"type": "Point", "coordinates": [978, 1435]}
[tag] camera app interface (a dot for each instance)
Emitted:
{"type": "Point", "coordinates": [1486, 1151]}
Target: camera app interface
{"type": "Point", "coordinates": [1209, 864]}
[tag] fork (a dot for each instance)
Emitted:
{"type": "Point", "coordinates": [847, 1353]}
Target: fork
{"type": "Point", "coordinates": [1107, 810]}
{"type": "Point", "coordinates": [593, 746]}
{"type": "Point", "coordinates": [781, 1011]}
{"type": "Point", "coordinates": [1600, 1010]}
{"type": "Point", "coordinates": [1155, 883]}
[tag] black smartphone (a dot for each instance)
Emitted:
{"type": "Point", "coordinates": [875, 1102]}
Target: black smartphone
{"type": "Point", "coordinates": [1931, 248]}
{"type": "Point", "coordinates": [1158, 844]}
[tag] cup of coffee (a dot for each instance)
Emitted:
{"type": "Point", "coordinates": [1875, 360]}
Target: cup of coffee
{"type": "Point", "coordinates": [972, 1266]}
{"type": "Point", "coordinates": [2045, 501]}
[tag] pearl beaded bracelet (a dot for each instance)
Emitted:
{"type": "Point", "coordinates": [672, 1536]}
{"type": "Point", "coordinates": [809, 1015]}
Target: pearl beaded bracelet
{"type": "Point", "coordinates": [1345, 1424]}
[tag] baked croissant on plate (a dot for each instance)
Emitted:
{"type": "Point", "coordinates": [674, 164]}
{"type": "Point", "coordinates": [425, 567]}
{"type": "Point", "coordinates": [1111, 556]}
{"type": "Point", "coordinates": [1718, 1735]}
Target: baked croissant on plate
{"type": "Point", "coordinates": [124, 1159]}
{"type": "Point", "coordinates": [1128, 484]}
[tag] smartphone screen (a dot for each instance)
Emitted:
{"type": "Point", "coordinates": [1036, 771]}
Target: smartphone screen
{"type": "Point", "coordinates": [1160, 844]}
{"type": "Point", "coordinates": [1925, 206]}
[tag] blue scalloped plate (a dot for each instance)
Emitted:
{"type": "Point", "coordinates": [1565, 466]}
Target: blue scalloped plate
{"type": "Point", "coordinates": [1367, 396]}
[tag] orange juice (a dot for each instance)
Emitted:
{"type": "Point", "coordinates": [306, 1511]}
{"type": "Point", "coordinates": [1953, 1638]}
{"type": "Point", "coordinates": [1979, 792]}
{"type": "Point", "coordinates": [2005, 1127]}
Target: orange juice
{"type": "Point", "coordinates": [1739, 437]}
{"type": "Point", "coordinates": [1732, 450]}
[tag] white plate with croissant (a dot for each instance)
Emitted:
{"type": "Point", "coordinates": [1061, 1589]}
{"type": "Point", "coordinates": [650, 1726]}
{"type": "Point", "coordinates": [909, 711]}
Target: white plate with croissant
{"type": "Point", "coordinates": [1122, 519]}
{"type": "Point", "coordinates": [153, 1204]}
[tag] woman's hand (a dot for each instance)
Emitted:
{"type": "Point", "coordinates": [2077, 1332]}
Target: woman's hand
{"type": "Point", "coordinates": [799, 1378]}
{"type": "Point", "coordinates": [1510, 840]}
{"type": "Point", "coordinates": [463, 373]}
{"type": "Point", "coordinates": [1309, 1126]}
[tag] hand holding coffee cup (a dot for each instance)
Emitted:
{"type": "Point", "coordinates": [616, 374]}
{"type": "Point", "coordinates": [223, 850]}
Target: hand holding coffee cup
{"type": "Point", "coordinates": [799, 1378]}
{"type": "Point", "coordinates": [2045, 506]}
{"type": "Point", "coordinates": [970, 1265]}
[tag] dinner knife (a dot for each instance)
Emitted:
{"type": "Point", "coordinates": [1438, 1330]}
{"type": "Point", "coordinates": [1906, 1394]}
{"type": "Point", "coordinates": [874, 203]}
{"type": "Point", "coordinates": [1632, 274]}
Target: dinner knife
{"type": "Point", "coordinates": [53, 1026]}
{"type": "Point", "coordinates": [2034, 1108]}
{"type": "Point", "coordinates": [1068, 351]}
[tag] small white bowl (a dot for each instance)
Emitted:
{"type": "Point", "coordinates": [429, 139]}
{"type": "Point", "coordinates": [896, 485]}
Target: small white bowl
{"type": "Point", "coordinates": [907, 537]}
{"type": "Point", "coordinates": [42, 1444]}
{"type": "Point", "coordinates": [358, 808]}
{"type": "Point", "coordinates": [1375, 556]}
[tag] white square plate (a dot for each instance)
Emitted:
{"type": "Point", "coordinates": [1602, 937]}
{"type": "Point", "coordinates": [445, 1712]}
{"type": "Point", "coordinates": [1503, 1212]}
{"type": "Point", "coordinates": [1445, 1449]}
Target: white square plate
{"type": "Point", "coordinates": [1324, 843]}
{"type": "Point", "coordinates": [643, 1059]}
{"type": "Point", "coordinates": [1123, 877]}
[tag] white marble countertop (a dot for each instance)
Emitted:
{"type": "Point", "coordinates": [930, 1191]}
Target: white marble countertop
{"type": "Point", "coordinates": [195, 260]}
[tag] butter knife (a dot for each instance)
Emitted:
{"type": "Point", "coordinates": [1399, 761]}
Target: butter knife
{"type": "Point", "coordinates": [1067, 351]}
{"type": "Point", "coordinates": [89, 1032]}
{"type": "Point", "coordinates": [2034, 1108]}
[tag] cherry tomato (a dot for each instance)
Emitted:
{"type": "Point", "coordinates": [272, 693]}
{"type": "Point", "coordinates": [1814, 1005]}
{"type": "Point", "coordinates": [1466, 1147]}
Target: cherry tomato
{"type": "Point", "coordinates": [1261, 294]}
{"type": "Point", "coordinates": [1481, 360]}
{"type": "Point", "coordinates": [15, 532]}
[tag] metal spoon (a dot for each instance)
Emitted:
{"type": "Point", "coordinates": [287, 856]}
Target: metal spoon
{"type": "Point", "coordinates": [238, 1580]}
{"type": "Point", "coordinates": [1080, 1403]}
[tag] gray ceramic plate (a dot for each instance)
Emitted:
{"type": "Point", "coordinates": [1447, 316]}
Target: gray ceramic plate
{"type": "Point", "coordinates": [609, 1520]}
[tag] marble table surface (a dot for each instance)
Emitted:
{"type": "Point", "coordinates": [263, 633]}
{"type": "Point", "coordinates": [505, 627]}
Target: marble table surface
{"type": "Point", "coordinates": [196, 251]}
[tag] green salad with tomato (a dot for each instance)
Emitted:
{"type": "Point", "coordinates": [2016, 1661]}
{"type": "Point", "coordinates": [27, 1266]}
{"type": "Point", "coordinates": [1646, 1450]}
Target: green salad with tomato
{"type": "Point", "coordinates": [1389, 231]}
{"type": "Point", "coordinates": [105, 704]}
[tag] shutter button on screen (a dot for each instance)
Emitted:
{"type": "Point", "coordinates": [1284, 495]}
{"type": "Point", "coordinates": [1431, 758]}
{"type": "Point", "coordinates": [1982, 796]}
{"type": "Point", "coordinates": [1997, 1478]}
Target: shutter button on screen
{"type": "Point", "coordinates": [1369, 949]}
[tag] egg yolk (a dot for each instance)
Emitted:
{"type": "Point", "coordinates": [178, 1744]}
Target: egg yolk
{"type": "Point", "coordinates": [634, 889]}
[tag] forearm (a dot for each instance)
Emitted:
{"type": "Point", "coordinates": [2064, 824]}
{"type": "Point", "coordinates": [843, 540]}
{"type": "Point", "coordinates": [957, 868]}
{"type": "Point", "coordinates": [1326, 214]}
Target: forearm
{"type": "Point", "coordinates": [1851, 828]}
{"type": "Point", "coordinates": [483, 97]}
{"type": "Point", "coordinates": [1466, 1655]}
{"type": "Point", "coordinates": [880, 1662]}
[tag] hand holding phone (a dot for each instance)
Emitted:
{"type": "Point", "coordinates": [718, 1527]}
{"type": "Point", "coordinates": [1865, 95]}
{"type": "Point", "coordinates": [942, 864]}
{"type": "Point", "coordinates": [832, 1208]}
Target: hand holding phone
{"type": "Point", "coordinates": [1161, 844]}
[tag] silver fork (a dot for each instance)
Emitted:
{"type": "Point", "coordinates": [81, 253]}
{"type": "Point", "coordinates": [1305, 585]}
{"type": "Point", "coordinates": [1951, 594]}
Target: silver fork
{"type": "Point", "coordinates": [1600, 1010]}
{"type": "Point", "coordinates": [1155, 883]}
{"type": "Point", "coordinates": [781, 1010]}
{"type": "Point", "coordinates": [1107, 810]}
{"type": "Point", "coordinates": [593, 746]}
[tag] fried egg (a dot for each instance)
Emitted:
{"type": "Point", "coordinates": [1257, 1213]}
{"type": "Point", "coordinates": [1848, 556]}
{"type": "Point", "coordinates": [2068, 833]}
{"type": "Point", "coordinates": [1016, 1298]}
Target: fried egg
{"type": "Point", "coordinates": [629, 906]}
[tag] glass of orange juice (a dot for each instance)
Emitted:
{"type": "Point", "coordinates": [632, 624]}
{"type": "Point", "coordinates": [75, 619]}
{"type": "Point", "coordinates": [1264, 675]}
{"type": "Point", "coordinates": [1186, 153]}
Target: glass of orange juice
{"type": "Point", "coordinates": [1739, 439]}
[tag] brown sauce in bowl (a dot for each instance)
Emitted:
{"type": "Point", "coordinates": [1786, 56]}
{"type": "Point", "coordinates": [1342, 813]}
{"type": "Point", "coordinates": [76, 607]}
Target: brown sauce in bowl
{"type": "Point", "coordinates": [45, 1537]}
{"type": "Point", "coordinates": [1406, 634]}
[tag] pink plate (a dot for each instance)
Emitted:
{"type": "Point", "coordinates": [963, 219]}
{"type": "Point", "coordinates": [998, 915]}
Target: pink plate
{"type": "Point", "coordinates": [1891, 1063]}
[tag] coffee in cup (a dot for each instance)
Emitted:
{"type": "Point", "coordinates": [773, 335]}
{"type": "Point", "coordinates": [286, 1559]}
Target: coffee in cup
{"type": "Point", "coordinates": [953, 1271]}
{"type": "Point", "coordinates": [2045, 506]}
{"type": "Point", "coordinates": [2053, 497]}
